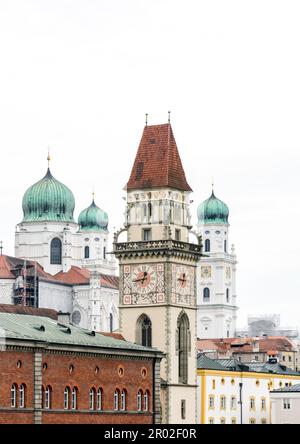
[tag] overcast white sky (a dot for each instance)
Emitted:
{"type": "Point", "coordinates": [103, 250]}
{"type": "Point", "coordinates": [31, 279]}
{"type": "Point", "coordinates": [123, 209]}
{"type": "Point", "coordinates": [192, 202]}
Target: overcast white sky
{"type": "Point", "coordinates": [79, 75]}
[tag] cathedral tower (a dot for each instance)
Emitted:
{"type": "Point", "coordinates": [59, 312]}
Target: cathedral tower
{"type": "Point", "coordinates": [158, 269]}
{"type": "Point", "coordinates": [216, 289]}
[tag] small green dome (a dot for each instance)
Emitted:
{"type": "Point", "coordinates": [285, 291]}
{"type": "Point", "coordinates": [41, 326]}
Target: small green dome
{"type": "Point", "coordinates": [213, 211]}
{"type": "Point", "coordinates": [93, 219]}
{"type": "Point", "coordinates": [48, 200]}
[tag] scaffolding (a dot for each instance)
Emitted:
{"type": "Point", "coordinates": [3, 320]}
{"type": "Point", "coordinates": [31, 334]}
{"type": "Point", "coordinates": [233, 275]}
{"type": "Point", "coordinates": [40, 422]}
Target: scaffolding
{"type": "Point", "coordinates": [26, 291]}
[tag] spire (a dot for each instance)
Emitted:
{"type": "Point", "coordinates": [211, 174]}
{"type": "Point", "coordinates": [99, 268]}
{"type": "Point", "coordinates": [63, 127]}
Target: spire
{"type": "Point", "coordinates": [157, 163]}
{"type": "Point", "coordinates": [1, 248]}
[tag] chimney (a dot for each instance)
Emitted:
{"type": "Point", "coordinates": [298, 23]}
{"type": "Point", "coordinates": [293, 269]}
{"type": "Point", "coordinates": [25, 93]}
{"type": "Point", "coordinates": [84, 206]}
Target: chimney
{"type": "Point", "coordinates": [63, 318]}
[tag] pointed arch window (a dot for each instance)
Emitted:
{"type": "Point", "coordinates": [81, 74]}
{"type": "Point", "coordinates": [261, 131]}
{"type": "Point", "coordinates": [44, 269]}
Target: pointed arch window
{"type": "Point", "coordinates": [86, 252]}
{"type": "Point", "coordinates": [55, 251]}
{"type": "Point", "coordinates": [206, 294]}
{"type": "Point", "coordinates": [144, 331]}
{"type": "Point", "coordinates": [183, 337]}
{"type": "Point", "coordinates": [207, 245]}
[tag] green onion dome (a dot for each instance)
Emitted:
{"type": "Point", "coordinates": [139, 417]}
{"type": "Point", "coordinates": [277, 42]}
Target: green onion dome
{"type": "Point", "coordinates": [48, 200]}
{"type": "Point", "coordinates": [93, 219]}
{"type": "Point", "coordinates": [213, 211]}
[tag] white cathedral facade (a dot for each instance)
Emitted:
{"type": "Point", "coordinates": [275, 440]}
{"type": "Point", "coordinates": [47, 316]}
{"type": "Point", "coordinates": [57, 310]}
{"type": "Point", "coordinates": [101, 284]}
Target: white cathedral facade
{"type": "Point", "coordinates": [60, 263]}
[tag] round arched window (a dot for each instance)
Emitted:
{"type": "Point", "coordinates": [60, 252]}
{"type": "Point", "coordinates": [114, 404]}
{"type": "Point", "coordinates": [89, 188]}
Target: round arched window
{"type": "Point", "coordinates": [76, 317]}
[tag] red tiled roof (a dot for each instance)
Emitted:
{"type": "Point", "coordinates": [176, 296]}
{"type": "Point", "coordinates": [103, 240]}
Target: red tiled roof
{"type": "Point", "coordinates": [20, 309]}
{"type": "Point", "coordinates": [157, 163]}
{"type": "Point", "coordinates": [113, 335]}
{"type": "Point", "coordinates": [246, 345]}
{"type": "Point", "coordinates": [5, 268]}
{"type": "Point", "coordinates": [81, 276]}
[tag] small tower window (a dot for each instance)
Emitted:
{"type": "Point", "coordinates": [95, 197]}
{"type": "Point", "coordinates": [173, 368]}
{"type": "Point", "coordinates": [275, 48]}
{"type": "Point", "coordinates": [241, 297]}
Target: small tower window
{"type": "Point", "coordinates": [111, 322]}
{"type": "Point", "coordinates": [227, 294]}
{"type": "Point", "coordinates": [86, 252]}
{"type": "Point", "coordinates": [146, 234]}
{"type": "Point", "coordinates": [55, 251]}
{"type": "Point", "coordinates": [149, 210]}
{"type": "Point", "coordinates": [225, 246]}
{"type": "Point", "coordinates": [104, 252]}
{"type": "Point", "coordinates": [206, 294]}
{"type": "Point", "coordinates": [207, 245]}
{"type": "Point", "coordinates": [177, 235]}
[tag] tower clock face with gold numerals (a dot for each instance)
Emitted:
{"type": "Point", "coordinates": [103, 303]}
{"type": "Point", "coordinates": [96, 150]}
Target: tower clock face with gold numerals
{"type": "Point", "coordinates": [182, 284]}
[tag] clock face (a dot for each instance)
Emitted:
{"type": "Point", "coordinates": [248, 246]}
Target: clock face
{"type": "Point", "coordinates": [182, 279]}
{"type": "Point", "coordinates": [143, 279]}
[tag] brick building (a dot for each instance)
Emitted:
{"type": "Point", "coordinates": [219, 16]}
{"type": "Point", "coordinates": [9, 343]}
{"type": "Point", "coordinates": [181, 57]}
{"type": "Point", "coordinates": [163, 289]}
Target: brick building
{"type": "Point", "coordinates": [57, 373]}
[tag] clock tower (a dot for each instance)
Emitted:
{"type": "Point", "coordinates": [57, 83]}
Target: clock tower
{"type": "Point", "coordinates": [158, 306]}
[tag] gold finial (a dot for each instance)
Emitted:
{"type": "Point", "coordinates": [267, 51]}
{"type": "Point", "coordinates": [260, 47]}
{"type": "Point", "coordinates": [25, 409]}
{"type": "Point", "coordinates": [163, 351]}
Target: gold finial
{"type": "Point", "coordinates": [146, 119]}
{"type": "Point", "coordinates": [1, 247]}
{"type": "Point", "coordinates": [169, 116]}
{"type": "Point", "coordinates": [93, 193]}
{"type": "Point", "coordinates": [48, 157]}
{"type": "Point", "coordinates": [212, 184]}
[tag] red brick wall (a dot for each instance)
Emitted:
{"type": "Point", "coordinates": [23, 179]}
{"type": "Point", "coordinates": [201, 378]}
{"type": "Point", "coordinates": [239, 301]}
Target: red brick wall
{"type": "Point", "coordinates": [10, 374]}
{"type": "Point", "coordinates": [58, 376]}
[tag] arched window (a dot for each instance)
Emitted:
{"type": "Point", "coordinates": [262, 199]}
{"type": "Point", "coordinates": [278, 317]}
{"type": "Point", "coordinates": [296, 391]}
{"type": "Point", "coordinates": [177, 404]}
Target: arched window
{"type": "Point", "coordinates": [104, 252]}
{"type": "Point", "coordinates": [144, 331]}
{"type": "Point", "coordinates": [92, 398]}
{"type": "Point", "coordinates": [225, 246]}
{"type": "Point", "coordinates": [66, 398]}
{"type": "Point", "coordinates": [227, 294]}
{"type": "Point", "coordinates": [86, 252]}
{"type": "Point", "coordinates": [47, 397]}
{"type": "Point", "coordinates": [149, 210]}
{"type": "Point", "coordinates": [99, 399]}
{"type": "Point", "coordinates": [207, 245]}
{"type": "Point", "coordinates": [206, 294]}
{"type": "Point", "coordinates": [22, 393]}
{"type": "Point", "coordinates": [13, 396]}
{"type": "Point", "coordinates": [139, 400]}
{"type": "Point", "coordinates": [146, 401]}
{"type": "Point", "coordinates": [116, 399]}
{"type": "Point", "coordinates": [55, 251]}
{"type": "Point", "coordinates": [123, 399]}
{"type": "Point", "coordinates": [74, 398]}
{"type": "Point", "coordinates": [111, 322]}
{"type": "Point", "coordinates": [183, 347]}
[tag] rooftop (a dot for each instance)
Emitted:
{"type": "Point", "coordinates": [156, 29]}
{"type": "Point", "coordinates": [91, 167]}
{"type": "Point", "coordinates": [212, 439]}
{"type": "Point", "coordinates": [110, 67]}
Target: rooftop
{"type": "Point", "coordinates": [206, 363]}
{"type": "Point", "coordinates": [293, 388]}
{"type": "Point", "coordinates": [46, 330]}
{"type": "Point", "coordinates": [157, 163]}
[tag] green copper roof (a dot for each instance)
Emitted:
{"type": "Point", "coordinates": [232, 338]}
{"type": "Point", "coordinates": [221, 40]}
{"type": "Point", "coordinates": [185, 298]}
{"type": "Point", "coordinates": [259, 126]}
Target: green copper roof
{"type": "Point", "coordinates": [213, 211]}
{"type": "Point", "coordinates": [42, 329]}
{"type": "Point", "coordinates": [48, 200]}
{"type": "Point", "coordinates": [93, 219]}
